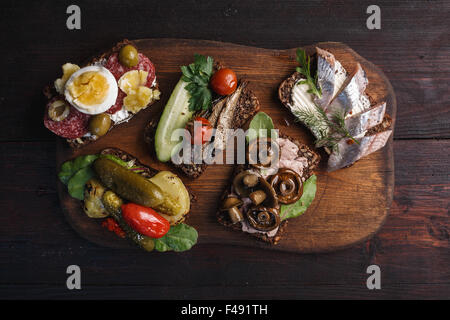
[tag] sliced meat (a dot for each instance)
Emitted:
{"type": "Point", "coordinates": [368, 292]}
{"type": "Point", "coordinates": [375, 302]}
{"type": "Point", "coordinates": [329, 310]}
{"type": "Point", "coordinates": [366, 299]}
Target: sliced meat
{"type": "Point", "coordinates": [74, 126]}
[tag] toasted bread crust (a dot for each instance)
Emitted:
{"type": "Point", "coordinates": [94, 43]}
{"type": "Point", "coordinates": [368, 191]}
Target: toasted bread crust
{"type": "Point", "coordinates": [285, 88]}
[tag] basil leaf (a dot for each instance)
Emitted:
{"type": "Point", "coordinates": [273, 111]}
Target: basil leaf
{"type": "Point", "coordinates": [261, 126]}
{"type": "Point", "coordinates": [180, 237]}
{"type": "Point", "coordinates": [69, 168]}
{"type": "Point", "coordinates": [77, 182]}
{"type": "Point", "coordinates": [298, 208]}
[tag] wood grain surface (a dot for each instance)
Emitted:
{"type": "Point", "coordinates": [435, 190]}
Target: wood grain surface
{"type": "Point", "coordinates": [335, 219]}
{"type": "Point", "coordinates": [413, 246]}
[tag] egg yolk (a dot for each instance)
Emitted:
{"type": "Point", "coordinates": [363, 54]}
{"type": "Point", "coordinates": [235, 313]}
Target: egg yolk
{"type": "Point", "coordinates": [89, 88]}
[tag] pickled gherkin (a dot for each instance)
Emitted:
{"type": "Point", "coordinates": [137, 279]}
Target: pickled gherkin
{"type": "Point", "coordinates": [136, 188]}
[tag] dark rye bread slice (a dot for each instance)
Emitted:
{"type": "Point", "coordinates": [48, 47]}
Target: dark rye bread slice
{"type": "Point", "coordinates": [50, 93]}
{"type": "Point", "coordinates": [222, 216]}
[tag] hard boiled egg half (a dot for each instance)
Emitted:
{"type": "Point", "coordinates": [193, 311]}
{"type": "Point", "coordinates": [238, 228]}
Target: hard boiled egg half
{"type": "Point", "coordinates": [91, 90]}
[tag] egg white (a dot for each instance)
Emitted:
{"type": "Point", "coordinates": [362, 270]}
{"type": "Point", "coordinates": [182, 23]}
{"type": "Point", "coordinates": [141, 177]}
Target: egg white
{"type": "Point", "coordinates": [111, 96]}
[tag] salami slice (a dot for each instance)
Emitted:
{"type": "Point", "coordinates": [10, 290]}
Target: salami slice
{"type": "Point", "coordinates": [119, 103]}
{"type": "Point", "coordinates": [117, 69]}
{"type": "Point", "coordinates": [72, 127]}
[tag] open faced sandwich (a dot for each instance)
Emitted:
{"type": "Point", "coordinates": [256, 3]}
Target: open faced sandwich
{"type": "Point", "coordinates": [333, 104]}
{"type": "Point", "coordinates": [275, 184]}
{"type": "Point", "coordinates": [207, 101]}
{"type": "Point", "coordinates": [131, 199]}
{"type": "Point", "coordinates": [88, 101]}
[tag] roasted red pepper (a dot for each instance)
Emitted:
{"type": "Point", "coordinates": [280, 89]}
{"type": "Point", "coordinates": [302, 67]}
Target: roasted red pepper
{"type": "Point", "coordinates": [145, 220]}
{"type": "Point", "coordinates": [113, 226]}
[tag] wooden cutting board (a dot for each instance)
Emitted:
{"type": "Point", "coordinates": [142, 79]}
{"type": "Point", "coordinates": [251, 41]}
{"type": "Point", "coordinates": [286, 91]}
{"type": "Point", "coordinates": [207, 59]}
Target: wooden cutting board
{"type": "Point", "coordinates": [350, 205]}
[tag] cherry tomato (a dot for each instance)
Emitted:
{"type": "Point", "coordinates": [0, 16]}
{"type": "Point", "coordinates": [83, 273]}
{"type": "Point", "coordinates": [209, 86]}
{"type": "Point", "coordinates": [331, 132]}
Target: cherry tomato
{"type": "Point", "coordinates": [200, 130]}
{"type": "Point", "coordinates": [224, 82]}
{"type": "Point", "coordinates": [145, 220]}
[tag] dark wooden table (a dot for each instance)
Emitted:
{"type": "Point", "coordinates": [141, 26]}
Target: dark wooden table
{"type": "Point", "coordinates": [413, 247]}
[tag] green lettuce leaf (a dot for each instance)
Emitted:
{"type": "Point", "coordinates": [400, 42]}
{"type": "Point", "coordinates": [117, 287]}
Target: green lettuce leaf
{"type": "Point", "coordinates": [180, 237]}
{"type": "Point", "coordinates": [69, 168]}
{"type": "Point", "coordinates": [261, 126]}
{"type": "Point", "coordinates": [298, 208]}
{"type": "Point", "coordinates": [77, 182]}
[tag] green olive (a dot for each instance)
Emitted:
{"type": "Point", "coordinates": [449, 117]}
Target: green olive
{"type": "Point", "coordinates": [99, 124]}
{"type": "Point", "coordinates": [128, 56]}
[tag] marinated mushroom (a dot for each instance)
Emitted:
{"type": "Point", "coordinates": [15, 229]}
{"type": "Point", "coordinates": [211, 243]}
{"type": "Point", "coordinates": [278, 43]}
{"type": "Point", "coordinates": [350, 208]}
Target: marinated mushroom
{"type": "Point", "coordinates": [244, 182]}
{"type": "Point", "coordinates": [257, 197]}
{"type": "Point", "coordinates": [287, 185]}
{"type": "Point", "coordinates": [231, 204]}
{"type": "Point", "coordinates": [263, 153]}
{"type": "Point", "coordinates": [263, 218]}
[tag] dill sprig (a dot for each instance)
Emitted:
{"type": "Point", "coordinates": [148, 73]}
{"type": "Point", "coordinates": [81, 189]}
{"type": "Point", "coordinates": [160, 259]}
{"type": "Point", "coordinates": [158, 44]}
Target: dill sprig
{"type": "Point", "coordinates": [328, 131]}
{"type": "Point", "coordinates": [305, 70]}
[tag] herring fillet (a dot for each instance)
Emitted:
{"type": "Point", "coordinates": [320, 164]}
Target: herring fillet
{"type": "Point", "coordinates": [331, 76]}
{"type": "Point", "coordinates": [360, 123]}
{"type": "Point", "coordinates": [350, 153]}
{"type": "Point", "coordinates": [226, 117]}
{"type": "Point", "coordinates": [349, 97]}
{"type": "Point", "coordinates": [325, 76]}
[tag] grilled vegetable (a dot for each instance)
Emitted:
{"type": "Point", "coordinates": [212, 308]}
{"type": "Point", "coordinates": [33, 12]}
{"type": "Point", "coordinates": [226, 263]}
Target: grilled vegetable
{"type": "Point", "coordinates": [145, 220]}
{"type": "Point", "coordinates": [93, 205]}
{"type": "Point", "coordinates": [174, 188]}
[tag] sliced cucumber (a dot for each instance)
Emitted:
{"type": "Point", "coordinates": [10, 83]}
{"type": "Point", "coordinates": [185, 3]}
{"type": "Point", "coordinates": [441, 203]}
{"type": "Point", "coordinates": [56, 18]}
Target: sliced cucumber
{"type": "Point", "coordinates": [176, 115]}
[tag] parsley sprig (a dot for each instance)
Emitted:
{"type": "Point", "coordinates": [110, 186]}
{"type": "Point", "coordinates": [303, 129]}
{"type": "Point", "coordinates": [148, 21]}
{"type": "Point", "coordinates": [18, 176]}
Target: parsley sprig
{"type": "Point", "coordinates": [305, 70]}
{"type": "Point", "coordinates": [197, 76]}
